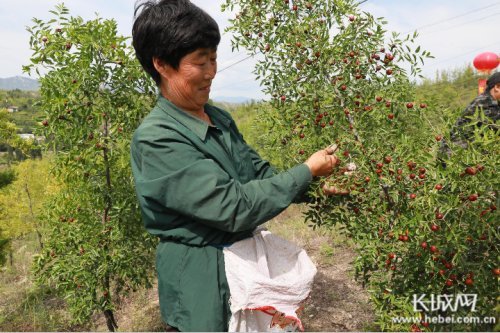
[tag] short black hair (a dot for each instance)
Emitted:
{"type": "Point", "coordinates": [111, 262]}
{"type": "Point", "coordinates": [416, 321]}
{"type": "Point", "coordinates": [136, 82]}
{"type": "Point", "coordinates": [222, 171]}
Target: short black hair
{"type": "Point", "coordinates": [493, 80]}
{"type": "Point", "coordinates": [169, 30]}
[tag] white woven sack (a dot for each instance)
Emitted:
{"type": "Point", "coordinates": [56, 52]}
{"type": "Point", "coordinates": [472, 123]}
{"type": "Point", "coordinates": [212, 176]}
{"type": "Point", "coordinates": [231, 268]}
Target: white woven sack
{"type": "Point", "coordinates": [269, 278]}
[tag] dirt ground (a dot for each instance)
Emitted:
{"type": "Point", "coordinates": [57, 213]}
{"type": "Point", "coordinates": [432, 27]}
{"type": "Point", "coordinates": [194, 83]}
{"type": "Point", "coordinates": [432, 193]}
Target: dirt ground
{"type": "Point", "coordinates": [337, 302]}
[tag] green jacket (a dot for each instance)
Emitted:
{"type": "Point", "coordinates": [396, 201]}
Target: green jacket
{"type": "Point", "coordinates": [201, 187]}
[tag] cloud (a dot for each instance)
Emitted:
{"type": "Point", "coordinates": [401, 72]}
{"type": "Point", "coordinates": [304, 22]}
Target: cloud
{"type": "Point", "coordinates": [453, 42]}
{"type": "Point", "coordinates": [458, 30]}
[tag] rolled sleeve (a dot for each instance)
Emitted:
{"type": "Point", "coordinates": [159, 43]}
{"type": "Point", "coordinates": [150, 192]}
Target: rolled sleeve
{"type": "Point", "coordinates": [302, 177]}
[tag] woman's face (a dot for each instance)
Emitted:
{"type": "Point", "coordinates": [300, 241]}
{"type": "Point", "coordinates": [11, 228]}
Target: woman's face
{"type": "Point", "coordinates": [188, 87]}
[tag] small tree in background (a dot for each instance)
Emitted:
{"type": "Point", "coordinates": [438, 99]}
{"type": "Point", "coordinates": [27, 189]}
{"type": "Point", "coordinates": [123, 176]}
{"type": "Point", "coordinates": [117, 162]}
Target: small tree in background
{"type": "Point", "coordinates": [22, 201]}
{"type": "Point", "coordinates": [8, 137]}
{"type": "Point", "coordinates": [94, 94]}
{"type": "Point", "coordinates": [16, 146]}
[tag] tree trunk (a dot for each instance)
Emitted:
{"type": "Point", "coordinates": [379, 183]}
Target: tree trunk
{"type": "Point", "coordinates": [9, 155]}
{"type": "Point", "coordinates": [39, 235]}
{"type": "Point", "coordinates": [110, 320]}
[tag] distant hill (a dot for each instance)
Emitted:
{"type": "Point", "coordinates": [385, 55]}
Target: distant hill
{"type": "Point", "coordinates": [18, 82]}
{"type": "Point", "coordinates": [231, 99]}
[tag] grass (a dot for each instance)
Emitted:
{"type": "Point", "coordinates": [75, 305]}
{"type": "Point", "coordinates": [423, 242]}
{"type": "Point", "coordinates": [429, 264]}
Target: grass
{"type": "Point", "coordinates": [23, 305]}
{"type": "Point", "coordinates": [326, 250]}
{"type": "Point", "coordinates": [4, 159]}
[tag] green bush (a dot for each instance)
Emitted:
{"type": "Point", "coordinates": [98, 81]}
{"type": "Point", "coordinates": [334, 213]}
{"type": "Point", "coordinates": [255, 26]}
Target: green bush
{"type": "Point", "coordinates": [7, 176]}
{"type": "Point", "coordinates": [4, 246]}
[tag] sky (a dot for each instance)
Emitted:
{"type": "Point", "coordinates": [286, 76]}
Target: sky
{"type": "Point", "coordinates": [454, 31]}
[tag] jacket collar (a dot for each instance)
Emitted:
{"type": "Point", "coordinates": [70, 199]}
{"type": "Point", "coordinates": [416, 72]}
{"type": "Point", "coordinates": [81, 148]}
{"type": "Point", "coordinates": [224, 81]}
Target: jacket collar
{"type": "Point", "coordinates": [192, 123]}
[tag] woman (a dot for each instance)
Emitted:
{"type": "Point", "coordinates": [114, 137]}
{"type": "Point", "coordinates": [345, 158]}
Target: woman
{"type": "Point", "coordinates": [199, 185]}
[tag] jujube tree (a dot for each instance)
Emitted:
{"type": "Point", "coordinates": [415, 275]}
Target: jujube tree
{"type": "Point", "coordinates": [337, 77]}
{"type": "Point", "coordinates": [94, 93]}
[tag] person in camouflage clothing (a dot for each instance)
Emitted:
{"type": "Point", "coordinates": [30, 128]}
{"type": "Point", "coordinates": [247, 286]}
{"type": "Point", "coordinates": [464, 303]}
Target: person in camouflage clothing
{"type": "Point", "coordinates": [488, 102]}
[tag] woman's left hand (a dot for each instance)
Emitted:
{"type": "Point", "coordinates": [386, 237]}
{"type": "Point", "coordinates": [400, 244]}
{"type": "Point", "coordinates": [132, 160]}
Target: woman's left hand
{"type": "Point", "coordinates": [332, 190]}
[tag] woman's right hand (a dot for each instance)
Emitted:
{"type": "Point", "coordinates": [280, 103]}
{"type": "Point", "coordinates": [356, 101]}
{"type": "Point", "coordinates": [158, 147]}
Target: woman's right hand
{"type": "Point", "coordinates": [322, 162]}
